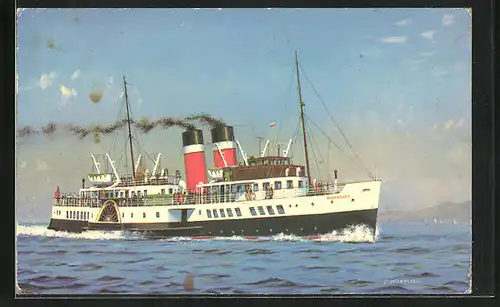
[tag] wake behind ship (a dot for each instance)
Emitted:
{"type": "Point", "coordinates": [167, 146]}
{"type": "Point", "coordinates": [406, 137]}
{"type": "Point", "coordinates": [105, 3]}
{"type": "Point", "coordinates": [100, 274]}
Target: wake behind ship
{"type": "Point", "coordinates": [238, 196]}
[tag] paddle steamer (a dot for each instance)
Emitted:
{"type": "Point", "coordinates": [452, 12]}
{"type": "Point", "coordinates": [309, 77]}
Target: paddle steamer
{"type": "Point", "coordinates": [257, 196]}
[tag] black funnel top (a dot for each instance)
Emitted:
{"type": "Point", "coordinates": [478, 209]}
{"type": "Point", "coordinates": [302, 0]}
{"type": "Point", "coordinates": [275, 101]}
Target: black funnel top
{"type": "Point", "coordinates": [192, 137]}
{"type": "Point", "coordinates": [222, 134]}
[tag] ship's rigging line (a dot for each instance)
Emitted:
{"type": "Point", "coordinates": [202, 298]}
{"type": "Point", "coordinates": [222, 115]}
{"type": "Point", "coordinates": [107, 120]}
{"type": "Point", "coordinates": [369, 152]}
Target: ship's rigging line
{"type": "Point", "coordinates": [338, 127]}
{"type": "Point", "coordinates": [313, 145]}
{"type": "Point", "coordinates": [338, 147]}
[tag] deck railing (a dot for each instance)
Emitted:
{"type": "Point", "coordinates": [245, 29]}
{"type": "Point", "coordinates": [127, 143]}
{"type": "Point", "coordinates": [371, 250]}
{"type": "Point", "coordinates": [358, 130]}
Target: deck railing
{"type": "Point", "coordinates": [195, 198]}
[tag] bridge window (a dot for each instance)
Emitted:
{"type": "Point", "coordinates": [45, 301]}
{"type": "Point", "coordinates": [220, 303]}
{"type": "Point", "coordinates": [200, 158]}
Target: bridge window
{"type": "Point", "coordinates": [144, 215]}
{"type": "Point", "coordinates": [209, 213]}
{"type": "Point", "coordinates": [238, 211]}
{"type": "Point", "coordinates": [280, 209]}
{"type": "Point", "coordinates": [277, 185]}
{"type": "Point", "coordinates": [222, 213]}
{"type": "Point", "coordinates": [215, 213]}
{"type": "Point", "coordinates": [158, 214]}
{"type": "Point", "coordinates": [270, 210]}
{"type": "Point", "coordinates": [252, 211]}
{"type": "Point", "coordinates": [229, 212]}
{"type": "Point", "coordinates": [261, 210]}
{"type": "Point", "coordinates": [289, 184]}
{"type": "Point", "coordinates": [301, 184]}
{"type": "Point", "coordinates": [255, 187]}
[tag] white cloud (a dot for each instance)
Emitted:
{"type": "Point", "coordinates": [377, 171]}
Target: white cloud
{"type": "Point", "coordinates": [46, 80]}
{"type": "Point", "coordinates": [75, 75]}
{"type": "Point", "coordinates": [428, 35]}
{"type": "Point", "coordinates": [67, 93]}
{"type": "Point", "coordinates": [438, 72]}
{"type": "Point", "coordinates": [448, 124]}
{"type": "Point", "coordinates": [394, 39]}
{"type": "Point", "coordinates": [41, 165]}
{"type": "Point", "coordinates": [402, 22]}
{"type": "Point", "coordinates": [448, 19]}
{"type": "Point", "coordinates": [427, 53]}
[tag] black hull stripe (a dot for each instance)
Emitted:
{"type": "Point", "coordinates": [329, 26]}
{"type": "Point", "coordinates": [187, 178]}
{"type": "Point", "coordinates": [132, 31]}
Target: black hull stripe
{"type": "Point", "coordinates": [302, 225]}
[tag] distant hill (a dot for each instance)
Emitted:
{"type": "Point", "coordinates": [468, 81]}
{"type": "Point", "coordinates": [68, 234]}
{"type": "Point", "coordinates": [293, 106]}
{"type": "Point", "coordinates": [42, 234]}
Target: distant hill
{"type": "Point", "coordinates": [446, 211]}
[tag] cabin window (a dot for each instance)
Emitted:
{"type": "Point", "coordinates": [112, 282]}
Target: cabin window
{"type": "Point", "coordinates": [162, 191]}
{"type": "Point", "coordinates": [71, 214]}
{"type": "Point", "coordinates": [270, 210]}
{"type": "Point", "coordinates": [265, 185]}
{"type": "Point", "coordinates": [301, 184]}
{"type": "Point", "coordinates": [67, 214]}
{"type": "Point", "coordinates": [170, 191]}
{"type": "Point", "coordinates": [261, 210]}
{"type": "Point", "coordinates": [277, 185]}
{"type": "Point", "coordinates": [229, 212]}
{"type": "Point", "coordinates": [238, 211]}
{"type": "Point", "coordinates": [289, 184]}
{"type": "Point", "coordinates": [122, 194]}
{"type": "Point", "coordinates": [132, 215]}
{"type": "Point", "coordinates": [366, 190]}
{"type": "Point", "coordinates": [123, 214]}
{"type": "Point", "coordinates": [209, 213]}
{"type": "Point", "coordinates": [144, 215]}
{"type": "Point", "coordinates": [157, 214]}
{"type": "Point", "coordinates": [92, 215]}
{"type": "Point", "coordinates": [255, 187]}
{"type": "Point", "coordinates": [145, 192]}
{"type": "Point", "coordinates": [215, 213]}
{"type": "Point", "coordinates": [280, 209]}
{"type": "Point", "coordinates": [222, 213]}
{"type": "Point", "coordinates": [77, 215]}
{"type": "Point", "coordinates": [252, 211]}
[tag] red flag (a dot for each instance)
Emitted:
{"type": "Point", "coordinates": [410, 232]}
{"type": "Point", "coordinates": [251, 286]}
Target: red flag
{"type": "Point", "coordinates": [272, 125]}
{"type": "Point", "coordinates": [57, 193]}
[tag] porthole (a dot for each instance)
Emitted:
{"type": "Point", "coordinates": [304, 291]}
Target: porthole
{"type": "Point", "coordinates": [222, 231]}
{"type": "Point", "coordinates": [315, 228]}
{"type": "Point", "coordinates": [352, 200]}
{"type": "Point", "coordinates": [233, 231]}
{"type": "Point", "coordinates": [312, 204]}
{"type": "Point", "coordinates": [271, 230]}
{"type": "Point", "coordinates": [289, 206]}
{"type": "Point", "coordinates": [331, 202]}
{"type": "Point", "coordinates": [296, 205]}
{"type": "Point", "coordinates": [257, 230]}
{"type": "Point", "coordinates": [302, 229]}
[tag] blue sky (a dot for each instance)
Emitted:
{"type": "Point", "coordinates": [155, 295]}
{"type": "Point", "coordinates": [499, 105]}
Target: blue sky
{"type": "Point", "coordinates": [381, 72]}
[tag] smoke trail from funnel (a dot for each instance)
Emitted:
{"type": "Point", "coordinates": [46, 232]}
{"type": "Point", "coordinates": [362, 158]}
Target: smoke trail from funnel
{"type": "Point", "coordinates": [144, 125]}
{"type": "Point", "coordinates": [206, 119]}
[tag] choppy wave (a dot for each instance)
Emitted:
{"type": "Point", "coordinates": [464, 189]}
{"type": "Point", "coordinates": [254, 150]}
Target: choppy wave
{"type": "Point", "coordinates": [43, 231]}
{"type": "Point", "coordinates": [353, 234]}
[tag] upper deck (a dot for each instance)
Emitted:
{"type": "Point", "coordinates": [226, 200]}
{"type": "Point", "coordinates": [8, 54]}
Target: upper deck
{"type": "Point", "coordinates": [264, 168]}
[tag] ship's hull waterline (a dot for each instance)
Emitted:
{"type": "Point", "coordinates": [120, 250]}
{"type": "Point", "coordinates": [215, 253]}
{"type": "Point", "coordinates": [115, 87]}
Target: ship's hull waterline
{"type": "Point", "coordinates": [300, 225]}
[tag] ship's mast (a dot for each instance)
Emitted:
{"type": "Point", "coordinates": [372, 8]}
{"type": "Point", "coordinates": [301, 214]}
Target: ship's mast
{"type": "Point", "coordinates": [129, 129]}
{"type": "Point", "coordinates": [302, 118]}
